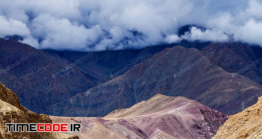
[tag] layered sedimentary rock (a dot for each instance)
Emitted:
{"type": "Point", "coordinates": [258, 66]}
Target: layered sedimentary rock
{"type": "Point", "coordinates": [175, 71]}
{"type": "Point", "coordinates": [243, 125]}
{"type": "Point", "coordinates": [11, 111]}
{"type": "Point", "coordinates": [159, 117]}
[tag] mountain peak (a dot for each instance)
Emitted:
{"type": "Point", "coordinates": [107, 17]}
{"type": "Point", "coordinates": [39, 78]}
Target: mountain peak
{"type": "Point", "coordinates": [159, 117]}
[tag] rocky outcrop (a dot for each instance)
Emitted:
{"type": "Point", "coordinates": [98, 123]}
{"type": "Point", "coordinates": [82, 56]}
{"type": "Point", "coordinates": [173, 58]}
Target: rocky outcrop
{"type": "Point", "coordinates": [243, 125]}
{"type": "Point", "coordinates": [159, 117]}
{"type": "Point", "coordinates": [11, 111]}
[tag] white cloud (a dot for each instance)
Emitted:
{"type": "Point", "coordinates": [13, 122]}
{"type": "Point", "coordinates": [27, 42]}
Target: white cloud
{"type": "Point", "coordinates": [172, 38]}
{"type": "Point", "coordinates": [207, 35]}
{"type": "Point", "coordinates": [12, 27]}
{"type": "Point", "coordinates": [62, 34]}
{"type": "Point", "coordinates": [86, 25]}
{"type": "Point", "coordinates": [31, 41]}
{"type": "Point", "coordinates": [251, 32]}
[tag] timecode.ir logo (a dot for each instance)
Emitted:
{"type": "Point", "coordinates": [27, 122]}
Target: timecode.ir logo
{"type": "Point", "coordinates": [33, 127]}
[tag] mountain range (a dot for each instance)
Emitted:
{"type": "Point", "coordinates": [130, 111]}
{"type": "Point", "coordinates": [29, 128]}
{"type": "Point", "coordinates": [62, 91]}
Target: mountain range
{"type": "Point", "coordinates": [183, 90]}
{"type": "Point", "coordinates": [119, 79]}
{"type": "Point", "coordinates": [174, 71]}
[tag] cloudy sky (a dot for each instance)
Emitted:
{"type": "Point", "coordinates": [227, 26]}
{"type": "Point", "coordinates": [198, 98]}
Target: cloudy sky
{"type": "Point", "coordinates": [96, 25]}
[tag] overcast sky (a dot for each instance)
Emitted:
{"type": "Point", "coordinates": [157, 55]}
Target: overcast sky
{"type": "Point", "coordinates": [95, 25]}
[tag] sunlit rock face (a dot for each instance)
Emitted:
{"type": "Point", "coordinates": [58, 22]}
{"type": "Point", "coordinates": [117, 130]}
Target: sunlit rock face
{"type": "Point", "coordinates": [11, 111]}
{"type": "Point", "coordinates": [243, 125]}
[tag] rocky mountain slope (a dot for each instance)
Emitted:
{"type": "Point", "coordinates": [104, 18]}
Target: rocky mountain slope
{"type": "Point", "coordinates": [237, 58]}
{"type": "Point", "coordinates": [243, 125]}
{"type": "Point", "coordinates": [175, 71]}
{"type": "Point", "coordinates": [104, 64]}
{"type": "Point", "coordinates": [39, 77]}
{"type": "Point", "coordinates": [233, 57]}
{"type": "Point", "coordinates": [11, 111]}
{"type": "Point", "coordinates": [159, 117]}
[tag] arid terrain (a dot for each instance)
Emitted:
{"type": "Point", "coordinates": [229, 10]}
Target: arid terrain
{"type": "Point", "coordinates": [159, 117]}
{"type": "Point", "coordinates": [243, 125]}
